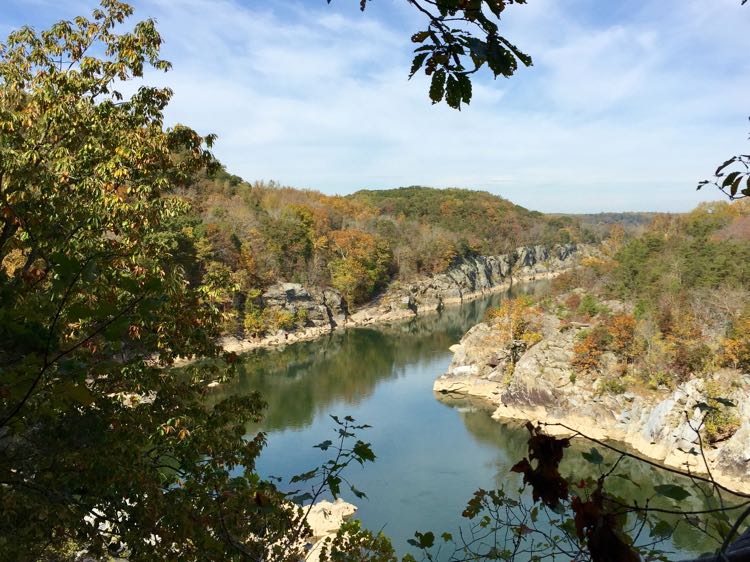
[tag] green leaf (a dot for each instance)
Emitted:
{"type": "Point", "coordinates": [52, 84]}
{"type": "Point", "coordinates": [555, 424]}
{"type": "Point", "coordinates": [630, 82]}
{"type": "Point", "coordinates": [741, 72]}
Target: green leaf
{"type": "Point", "coordinates": [594, 457]}
{"type": "Point", "coordinates": [301, 498]}
{"type": "Point", "coordinates": [662, 530]}
{"type": "Point", "coordinates": [730, 178]}
{"type": "Point", "coordinates": [437, 86]}
{"type": "Point", "coordinates": [334, 484]}
{"type": "Point", "coordinates": [420, 37]}
{"type": "Point", "coordinates": [425, 540]}
{"type": "Point", "coordinates": [417, 63]}
{"type": "Point", "coordinates": [324, 445]}
{"type": "Point", "coordinates": [305, 476]}
{"type": "Point", "coordinates": [359, 493]}
{"type": "Point", "coordinates": [453, 93]}
{"type": "Point", "coordinates": [724, 165]}
{"type": "Point", "coordinates": [624, 477]}
{"type": "Point", "coordinates": [363, 452]}
{"type": "Point", "coordinates": [466, 89]}
{"type": "Point", "coordinates": [703, 407]}
{"type": "Point", "coordinates": [672, 491]}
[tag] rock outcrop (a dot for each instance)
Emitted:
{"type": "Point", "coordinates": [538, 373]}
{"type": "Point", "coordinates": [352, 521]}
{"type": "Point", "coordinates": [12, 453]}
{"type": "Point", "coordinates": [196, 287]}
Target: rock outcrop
{"type": "Point", "coordinates": [543, 387]}
{"type": "Point", "coordinates": [324, 310]}
{"type": "Point", "coordinates": [318, 307]}
{"type": "Point", "coordinates": [469, 279]}
{"type": "Point", "coordinates": [325, 519]}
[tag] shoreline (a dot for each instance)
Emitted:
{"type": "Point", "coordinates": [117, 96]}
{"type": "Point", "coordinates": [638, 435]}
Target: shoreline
{"type": "Point", "coordinates": [489, 393]}
{"type": "Point", "coordinates": [371, 316]}
{"type": "Point", "coordinates": [588, 428]}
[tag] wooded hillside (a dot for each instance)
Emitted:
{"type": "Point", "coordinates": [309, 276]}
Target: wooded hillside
{"type": "Point", "coordinates": [262, 233]}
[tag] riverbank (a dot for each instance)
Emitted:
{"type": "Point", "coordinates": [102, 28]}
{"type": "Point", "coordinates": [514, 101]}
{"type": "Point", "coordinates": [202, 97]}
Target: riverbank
{"type": "Point", "coordinates": [471, 279]}
{"type": "Point", "coordinates": [659, 423]}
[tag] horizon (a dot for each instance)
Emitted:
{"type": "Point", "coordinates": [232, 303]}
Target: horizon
{"type": "Point", "coordinates": [625, 109]}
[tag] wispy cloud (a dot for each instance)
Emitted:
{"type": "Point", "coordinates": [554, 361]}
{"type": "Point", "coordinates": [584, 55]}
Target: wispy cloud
{"type": "Point", "coordinates": [626, 107]}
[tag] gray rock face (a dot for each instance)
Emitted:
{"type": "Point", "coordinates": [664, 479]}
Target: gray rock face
{"type": "Point", "coordinates": [325, 309]}
{"type": "Point", "coordinates": [319, 308]}
{"type": "Point", "coordinates": [482, 274]}
{"type": "Point", "coordinates": [541, 387]}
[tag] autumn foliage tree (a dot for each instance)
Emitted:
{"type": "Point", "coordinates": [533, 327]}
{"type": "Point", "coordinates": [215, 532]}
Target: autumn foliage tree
{"type": "Point", "coordinates": [101, 444]}
{"type": "Point", "coordinates": [360, 264]}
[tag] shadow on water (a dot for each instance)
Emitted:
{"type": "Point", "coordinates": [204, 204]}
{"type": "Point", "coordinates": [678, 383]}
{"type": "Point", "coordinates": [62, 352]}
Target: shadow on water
{"type": "Point", "coordinates": [302, 380]}
{"type": "Point", "coordinates": [431, 455]}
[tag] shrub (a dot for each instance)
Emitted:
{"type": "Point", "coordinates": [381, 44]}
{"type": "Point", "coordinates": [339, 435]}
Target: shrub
{"type": "Point", "coordinates": [587, 354]}
{"type": "Point", "coordinates": [279, 319]}
{"type": "Point", "coordinates": [690, 359]}
{"type": "Point", "coordinates": [573, 302]}
{"type": "Point", "coordinates": [589, 306]}
{"type": "Point", "coordinates": [622, 331]}
{"type": "Point", "coordinates": [735, 348]}
{"type": "Point", "coordinates": [254, 323]}
{"type": "Point", "coordinates": [721, 420]}
{"type": "Point", "coordinates": [656, 379]}
{"type": "Point", "coordinates": [612, 385]}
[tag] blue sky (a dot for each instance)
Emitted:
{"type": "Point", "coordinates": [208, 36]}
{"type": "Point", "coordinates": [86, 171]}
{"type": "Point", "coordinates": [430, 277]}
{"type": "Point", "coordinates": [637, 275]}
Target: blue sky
{"type": "Point", "coordinates": [628, 105]}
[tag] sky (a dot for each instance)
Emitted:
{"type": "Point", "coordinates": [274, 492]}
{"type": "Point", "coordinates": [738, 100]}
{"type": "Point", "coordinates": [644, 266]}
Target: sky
{"type": "Point", "coordinates": [628, 105]}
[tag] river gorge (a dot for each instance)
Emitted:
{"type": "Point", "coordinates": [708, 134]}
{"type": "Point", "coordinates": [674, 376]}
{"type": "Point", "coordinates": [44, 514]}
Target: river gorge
{"type": "Point", "coordinates": [431, 454]}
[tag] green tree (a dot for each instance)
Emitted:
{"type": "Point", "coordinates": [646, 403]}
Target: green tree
{"type": "Point", "coordinates": [360, 265]}
{"type": "Point", "coordinates": [101, 444]}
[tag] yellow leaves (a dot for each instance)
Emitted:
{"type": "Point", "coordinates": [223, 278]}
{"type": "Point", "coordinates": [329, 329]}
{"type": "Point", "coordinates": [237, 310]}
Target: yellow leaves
{"type": "Point", "coordinates": [121, 173]}
{"type": "Point", "coordinates": [517, 319]}
{"type": "Point", "coordinates": [176, 427]}
{"type": "Point", "coordinates": [12, 262]}
{"type": "Point", "coordinates": [622, 329]}
{"type": "Point", "coordinates": [134, 332]}
{"type": "Point", "coordinates": [732, 351]}
{"type": "Point", "coordinates": [586, 354]}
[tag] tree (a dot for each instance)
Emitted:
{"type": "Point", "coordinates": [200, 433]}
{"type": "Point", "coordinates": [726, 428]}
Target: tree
{"type": "Point", "coordinates": [101, 444]}
{"type": "Point", "coordinates": [360, 265]}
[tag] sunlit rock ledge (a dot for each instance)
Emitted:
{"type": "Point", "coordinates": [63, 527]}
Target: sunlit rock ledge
{"type": "Point", "coordinates": [325, 519]}
{"type": "Point", "coordinates": [543, 388]}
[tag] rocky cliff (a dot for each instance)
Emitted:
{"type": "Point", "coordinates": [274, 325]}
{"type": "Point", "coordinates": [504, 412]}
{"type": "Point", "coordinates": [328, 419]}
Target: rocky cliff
{"type": "Point", "coordinates": [322, 310]}
{"type": "Point", "coordinates": [469, 279]}
{"type": "Point", "coordinates": [544, 387]}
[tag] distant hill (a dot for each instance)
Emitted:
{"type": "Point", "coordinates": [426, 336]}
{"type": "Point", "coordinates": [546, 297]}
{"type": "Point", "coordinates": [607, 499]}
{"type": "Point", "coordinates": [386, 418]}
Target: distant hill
{"type": "Point", "coordinates": [487, 223]}
{"type": "Point", "coordinates": [260, 233]}
{"type": "Point", "coordinates": [624, 219]}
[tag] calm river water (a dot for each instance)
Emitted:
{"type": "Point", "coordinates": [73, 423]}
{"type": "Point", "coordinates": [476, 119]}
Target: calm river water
{"type": "Point", "coordinates": [431, 456]}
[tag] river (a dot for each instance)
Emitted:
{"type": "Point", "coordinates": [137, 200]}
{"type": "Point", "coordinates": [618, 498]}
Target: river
{"type": "Point", "coordinates": [431, 456]}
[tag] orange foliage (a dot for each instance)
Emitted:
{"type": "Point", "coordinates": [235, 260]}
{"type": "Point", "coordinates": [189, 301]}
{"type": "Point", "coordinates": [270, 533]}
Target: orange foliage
{"type": "Point", "coordinates": [586, 354]}
{"type": "Point", "coordinates": [622, 330]}
{"type": "Point", "coordinates": [517, 319]}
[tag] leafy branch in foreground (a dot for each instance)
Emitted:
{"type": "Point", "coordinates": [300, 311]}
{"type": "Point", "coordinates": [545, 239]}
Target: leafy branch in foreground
{"type": "Point", "coordinates": [104, 448]}
{"type": "Point", "coordinates": [580, 518]}
{"type": "Point", "coordinates": [461, 37]}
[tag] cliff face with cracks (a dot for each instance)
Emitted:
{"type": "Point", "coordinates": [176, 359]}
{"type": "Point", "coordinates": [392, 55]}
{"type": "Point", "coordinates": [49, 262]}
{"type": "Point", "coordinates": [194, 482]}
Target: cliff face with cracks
{"type": "Point", "coordinates": [544, 387]}
{"type": "Point", "coordinates": [324, 310]}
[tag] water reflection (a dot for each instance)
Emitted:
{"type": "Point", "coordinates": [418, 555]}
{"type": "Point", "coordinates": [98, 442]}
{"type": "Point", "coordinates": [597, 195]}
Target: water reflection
{"type": "Point", "coordinates": [302, 380]}
{"type": "Point", "coordinates": [432, 455]}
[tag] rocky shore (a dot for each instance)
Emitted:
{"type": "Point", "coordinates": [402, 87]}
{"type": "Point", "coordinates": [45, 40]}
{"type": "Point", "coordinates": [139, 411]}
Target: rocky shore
{"type": "Point", "coordinates": [325, 519]}
{"type": "Point", "coordinates": [543, 387]}
{"type": "Point", "coordinates": [324, 310]}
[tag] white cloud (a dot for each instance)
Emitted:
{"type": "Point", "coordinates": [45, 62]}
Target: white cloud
{"type": "Point", "coordinates": [624, 109]}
